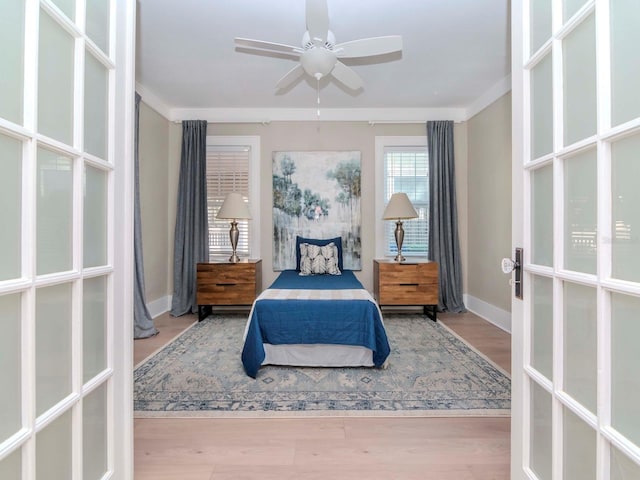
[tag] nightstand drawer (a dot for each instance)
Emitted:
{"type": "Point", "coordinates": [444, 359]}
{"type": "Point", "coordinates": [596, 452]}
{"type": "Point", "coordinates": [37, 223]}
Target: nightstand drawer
{"type": "Point", "coordinates": [397, 274]}
{"type": "Point", "coordinates": [408, 294]}
{"type": "Point", "coordinates": [217, 293]}
{"type": "Point", "coordinates": [226, 273]}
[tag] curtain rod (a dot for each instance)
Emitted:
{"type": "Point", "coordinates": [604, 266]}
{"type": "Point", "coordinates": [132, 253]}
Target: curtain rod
{"type": "Point", "coordinates": [421, 122]}
{"type": "Point", "coordinates": [263, 122]}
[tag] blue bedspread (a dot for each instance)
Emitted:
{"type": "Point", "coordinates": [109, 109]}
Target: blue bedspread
{"type": "Point", "coordinates": [292, 280]}
{"type": "Point", "coordinates": [339, 322]}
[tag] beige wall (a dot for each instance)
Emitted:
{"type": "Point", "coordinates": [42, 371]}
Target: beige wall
{"type": "Point", "coordinates": [360, 136]}
{"type": "Point", "coordinates": [489, 200]}
{"type": "Point", "coordinates": [154, 183]}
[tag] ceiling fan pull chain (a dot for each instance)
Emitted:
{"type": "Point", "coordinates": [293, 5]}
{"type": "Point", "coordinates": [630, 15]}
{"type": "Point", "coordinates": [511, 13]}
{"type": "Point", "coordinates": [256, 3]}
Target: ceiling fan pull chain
{"type": "Point", "coordinates": [318, 98]}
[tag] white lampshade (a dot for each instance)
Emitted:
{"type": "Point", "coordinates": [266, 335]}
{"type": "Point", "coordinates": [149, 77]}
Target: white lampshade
{"type": "Point", "coordinates": [234, 207]}
{"type": "Point", "coordinates": [399, 207]}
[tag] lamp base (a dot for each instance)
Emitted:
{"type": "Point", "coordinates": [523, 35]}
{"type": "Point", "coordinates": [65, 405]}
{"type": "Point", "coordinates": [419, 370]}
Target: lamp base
{"type": "Point", "coordinates": [234, 233]}
{"type": "Point", "coordinates": [399, 235]}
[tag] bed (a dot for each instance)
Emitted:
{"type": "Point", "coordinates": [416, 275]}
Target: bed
{"type": "Point", "coordinates": [314, 320]}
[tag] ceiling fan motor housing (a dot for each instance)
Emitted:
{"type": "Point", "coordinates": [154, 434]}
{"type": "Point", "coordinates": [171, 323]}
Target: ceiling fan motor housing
{"type": "Point", "coordinates": [329, 43]}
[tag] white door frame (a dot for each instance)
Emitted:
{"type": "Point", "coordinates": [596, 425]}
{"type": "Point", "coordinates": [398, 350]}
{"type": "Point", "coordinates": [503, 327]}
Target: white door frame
{"type": "Point", "coordinates": [122, 342]}
{"type": "Point", "coordinates": [517, 240]}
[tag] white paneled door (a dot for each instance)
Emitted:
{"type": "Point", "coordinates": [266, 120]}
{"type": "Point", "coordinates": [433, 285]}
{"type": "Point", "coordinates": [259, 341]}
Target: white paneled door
{"type": "Point", "coordinates": [576, 184]}
{"type": "Point", "coordinates": [66, 126]}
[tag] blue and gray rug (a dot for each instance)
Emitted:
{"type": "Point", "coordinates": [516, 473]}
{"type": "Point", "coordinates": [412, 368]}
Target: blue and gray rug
{"type": "Point", "coordinates": [431, 372]}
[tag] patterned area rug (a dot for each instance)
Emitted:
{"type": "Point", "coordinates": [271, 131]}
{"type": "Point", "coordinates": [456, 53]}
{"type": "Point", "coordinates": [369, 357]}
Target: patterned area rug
{"type": "Point", "coordinates": [431, 372]}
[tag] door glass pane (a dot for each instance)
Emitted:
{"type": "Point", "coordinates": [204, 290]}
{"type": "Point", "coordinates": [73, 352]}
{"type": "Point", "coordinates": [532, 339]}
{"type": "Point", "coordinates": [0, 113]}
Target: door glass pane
{"type": "Point", "coordinates": [580, 215]}
{"type": "Point", "coordinates": [95, 107]}
{"type": "Point", "coordinates": [53, 345]}
{"type": "Point", "coordinates": [53, 449]}
{"type": "Point", "coordinates": [542, 216]}
{"type": "Point", "coordinates": [625, 195]}
{"type": "Point", "coordinates": [625, 358]}
{"type": "Point", "coordinates": [10, 366]}
{"type": "Point", "coordinates": [540, 23]}
{"type": "Point", "coordinates": [625, 73]}
{"type": "Point", "coordinates": [95, 217]}
{"type": "Point", "coordinates": [579, 448]}
{"type": "Point", "coordinates": [98, 23]}
{"type": "Point", "coordinates": [54, 213]}
{"type": "Point", "coordinates": [580, 82]}
{"type": "Point", "coordinates": [622, 467]}
{"type": "Point", "coordinates": [68, 7]}
{"type": "Point", "coordinates": [570, 7]}
{"type": "Point", "coordinates": [541, 109]}
{"type": "Point", "coordinates": [55, 81]}
{"type": "Point", "coordinates": [11, 59]}
{"type": "Point", "coordinates": [11, 466]}
{"type": "Point", "coordinates": [94, 434]}
{"type": "Point", "coordinates": [580, 361]}
{"type": "Point", "coordinates": [10, 207]}
{"type": "Point", "coordinates": [540, 423]}
{"type": "Point", "coordinates": [542, 326]}
{"type": "Point", "coordinates": [94, 326]}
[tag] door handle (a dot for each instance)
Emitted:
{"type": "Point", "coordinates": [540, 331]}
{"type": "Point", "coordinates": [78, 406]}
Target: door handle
{"type": "Point", "coordinates": [515, 266]}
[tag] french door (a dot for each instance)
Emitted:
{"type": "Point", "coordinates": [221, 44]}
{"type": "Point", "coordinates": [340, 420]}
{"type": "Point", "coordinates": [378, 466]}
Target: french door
{"type": "Point", "coordinates": [66, 105]}
{"type": "Point", "coordinates": [576, 184]}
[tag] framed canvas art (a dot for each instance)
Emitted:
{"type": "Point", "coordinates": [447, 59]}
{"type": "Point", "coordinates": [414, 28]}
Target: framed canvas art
{"type": "Point", "coordinates": [316, 195]}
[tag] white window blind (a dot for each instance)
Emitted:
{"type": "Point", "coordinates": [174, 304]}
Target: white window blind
{"type": "Point", "coordinates": [227, 171]}
{"type": "Point", "coordinates": [406, 169]}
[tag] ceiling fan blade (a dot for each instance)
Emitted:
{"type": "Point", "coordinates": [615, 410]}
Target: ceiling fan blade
{"type": "Point", "coordinates": [290, 77]}
{"type": "Point", "coordinates": [317, 20]}
{"type": "Point", "coordinates": [368, 47]}
{"type": "Point", "coordinates": [269, 46]}
{"type": "Point", "coordinates": [347, 76]}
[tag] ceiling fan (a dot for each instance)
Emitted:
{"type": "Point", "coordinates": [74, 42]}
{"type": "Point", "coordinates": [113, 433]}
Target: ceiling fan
{"type": "Point", "coordinates": [319, 54]}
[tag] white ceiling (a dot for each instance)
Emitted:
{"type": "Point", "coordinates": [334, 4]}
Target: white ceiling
{"type": "Point", "coordinates": [454, 53]}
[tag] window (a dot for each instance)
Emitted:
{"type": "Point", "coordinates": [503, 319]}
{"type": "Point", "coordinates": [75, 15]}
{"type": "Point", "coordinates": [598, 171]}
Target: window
{"type": "Point", "coordinates": [232, 166]}
{"type": "Point", "coordinates": [402, 166]}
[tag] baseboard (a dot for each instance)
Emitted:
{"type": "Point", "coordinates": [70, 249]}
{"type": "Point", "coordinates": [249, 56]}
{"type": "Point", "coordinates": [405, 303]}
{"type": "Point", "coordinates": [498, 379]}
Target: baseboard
{"type": "Point", "coordinates": [499, 317]}
{"type": "Point", "coordinates": [159, 306]}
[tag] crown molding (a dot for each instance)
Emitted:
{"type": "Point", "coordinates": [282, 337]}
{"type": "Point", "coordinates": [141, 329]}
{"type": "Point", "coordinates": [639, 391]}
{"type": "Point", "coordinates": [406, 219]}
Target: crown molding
{"type": "Point", "coordinates": [487, 98]}
{"type": "Point", "coordinates": [153, 101]}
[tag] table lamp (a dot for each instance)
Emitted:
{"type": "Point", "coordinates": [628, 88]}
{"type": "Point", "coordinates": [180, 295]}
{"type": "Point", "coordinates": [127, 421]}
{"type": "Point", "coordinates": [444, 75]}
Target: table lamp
{"type": "Point", "coordinates": [399, 208]}
{"type": "Point", "coordinates": [234, 208]}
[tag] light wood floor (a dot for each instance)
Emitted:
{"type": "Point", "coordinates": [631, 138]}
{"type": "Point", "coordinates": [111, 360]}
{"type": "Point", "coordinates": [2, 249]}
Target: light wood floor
{"type": "Point", "coordinates": [332, 447]}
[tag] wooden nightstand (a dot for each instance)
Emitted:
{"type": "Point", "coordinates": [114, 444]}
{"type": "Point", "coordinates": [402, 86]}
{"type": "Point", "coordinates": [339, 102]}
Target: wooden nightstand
{"type": "Point", "coordinates": [227, 283]}
{"type": "Point", "coordinates": [412, 282]}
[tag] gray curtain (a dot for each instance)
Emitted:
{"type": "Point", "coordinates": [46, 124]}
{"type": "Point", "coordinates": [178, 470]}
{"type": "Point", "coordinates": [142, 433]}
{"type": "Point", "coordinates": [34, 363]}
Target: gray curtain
{"type": "Point", "coordinates": [191, 233]}
{"type": "Point", "coordinates": [143, 326]}
{"type": "Point", "coordinates": [444, 244]}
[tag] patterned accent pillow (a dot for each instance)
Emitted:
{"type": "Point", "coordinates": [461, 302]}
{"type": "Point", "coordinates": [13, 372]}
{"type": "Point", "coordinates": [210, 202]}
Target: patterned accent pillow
{"type": "Point", "coordinates": [319, 260]}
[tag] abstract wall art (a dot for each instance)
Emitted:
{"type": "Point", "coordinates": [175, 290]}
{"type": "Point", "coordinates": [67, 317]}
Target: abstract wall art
{"type": "Point", "coordinates": [316, 195]}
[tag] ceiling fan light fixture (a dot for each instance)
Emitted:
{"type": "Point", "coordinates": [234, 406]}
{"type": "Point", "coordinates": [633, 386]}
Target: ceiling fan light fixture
{"type": "Point", "coordinates": [318, 62]}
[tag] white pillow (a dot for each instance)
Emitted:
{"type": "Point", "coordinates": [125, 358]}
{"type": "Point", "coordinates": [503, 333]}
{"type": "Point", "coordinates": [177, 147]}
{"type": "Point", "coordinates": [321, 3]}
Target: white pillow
{"type": "Point", "coordinates": [319, 260]}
